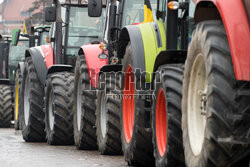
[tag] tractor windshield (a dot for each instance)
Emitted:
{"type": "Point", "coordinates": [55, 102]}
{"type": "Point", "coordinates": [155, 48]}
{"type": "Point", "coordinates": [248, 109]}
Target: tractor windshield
{"type": "Point", "coordinates": [82, 29]}
{"type": "Point", "coordinates": [133, 11]}
{"type": "Point", "coordinates": [44, 36]}
{"type": "Point", "coordinates": [16, 54]}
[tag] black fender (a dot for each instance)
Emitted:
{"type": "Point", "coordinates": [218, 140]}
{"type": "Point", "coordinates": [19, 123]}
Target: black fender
{"type": "Point", "coordinates": [38, 60]}
{"type": "Point", "coordinates": [132, 34]}
{"type": "Point", "coordinates": [115, 68]}
{"type": "Point", "coordinates": [111, 68]}
{"type": "Point", "coordinates": [169, 57]}
{"type": "Point", "coordinates": [4, 81]}
{"type": "Point", "coordinates": [21, 66]}
{"type": "Point", "coordinates": [60, 68]}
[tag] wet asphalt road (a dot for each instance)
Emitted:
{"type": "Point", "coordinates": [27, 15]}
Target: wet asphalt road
{"type": "Point", "coordinates": [14, 152]}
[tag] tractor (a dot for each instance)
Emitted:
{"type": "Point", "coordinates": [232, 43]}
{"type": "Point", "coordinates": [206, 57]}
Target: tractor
{"type": "Point", "coordinates": [10, 57]}
{"type": "Point", "coordinates": [48, 79]}
{"type": "Point", "coordinates": [205, 116]}
{"type": "Point", "coordinates": [6, 112]}
{"type": "Point", "coordinates": [97, 117]}
{"type": "Point", "coordinates": [36, 38]}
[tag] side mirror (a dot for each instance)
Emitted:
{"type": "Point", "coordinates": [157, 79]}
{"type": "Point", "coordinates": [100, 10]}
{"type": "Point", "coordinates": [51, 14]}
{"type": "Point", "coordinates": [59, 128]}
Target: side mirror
{"type": "Point", "coordinates": [15, 36]}
{"type": "Point", "coordinates": [95, 8]}
{"type": "Point", "coordinates": [50, 14]}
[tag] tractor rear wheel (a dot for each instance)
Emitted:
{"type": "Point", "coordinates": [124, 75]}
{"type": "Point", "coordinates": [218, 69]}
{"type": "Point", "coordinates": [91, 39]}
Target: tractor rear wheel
{"type": "Point", "coordinates": [108, 124]}
{"type": "Point", "coordinates": [17, 96]}
{"type": "Point", "coordinates": [32, 103]}
{"type": "Point", "coordinates": [136, 135]}
{"type": "Point", "coordinates": [214, 105]}
{"type": "Point", "coordinates": [58, 108]}
{"type": "Point", "coordinates": [84, 108]}
{"type": "Point", "coordinates": [166, 117]}
{"type": "Point", "coordinates": [5, 106]}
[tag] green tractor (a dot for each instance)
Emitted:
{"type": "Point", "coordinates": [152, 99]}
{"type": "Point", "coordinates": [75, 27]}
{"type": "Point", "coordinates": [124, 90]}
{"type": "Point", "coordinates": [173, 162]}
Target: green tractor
{"type": "Point", "coordinates": [21, 42]}
{"type": "Point", "coordinates": [11, 54]}
{"type": "Point", "coordinates": [6, 112]}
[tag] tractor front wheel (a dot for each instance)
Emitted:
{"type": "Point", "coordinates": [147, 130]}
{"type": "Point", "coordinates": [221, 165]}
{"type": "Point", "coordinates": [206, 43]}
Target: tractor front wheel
{"type": "Point", "coordinates": [58, 108]}
{"type": "Point", "coordinates": [84, 108]}
{"type": "Point", "coordinates": [166, 117]}
{"type": "Point", "coordinates": [214, 127]}
{"type": "Point", "coordinates": [136, 135]}
{"type": "Point", "coordinates": [17, 96]}
{"type": "Point", "coordinates": [108, 114]}
{"type": "Point", "coordinates": [32, 117]}
{"type": "Point", "coordinates": [6, 106]}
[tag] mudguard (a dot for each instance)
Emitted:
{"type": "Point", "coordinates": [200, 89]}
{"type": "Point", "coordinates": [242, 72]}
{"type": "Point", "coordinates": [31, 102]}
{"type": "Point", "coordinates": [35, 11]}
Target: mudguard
{"type": "Point", "coordinates": [147, 41]}
{"type": "Point", "coordinates": [94, 64]}
{"type": "Point", "coordinates": [42, 58]}
{"type": "Point", "coordinates": [237, 29]}
{"type": "Point", "coordinates": [21, 67]}
{"type": "Point", "coordinates": [60, 68]}
{"type": "Point", "coordinates": [111, 68]}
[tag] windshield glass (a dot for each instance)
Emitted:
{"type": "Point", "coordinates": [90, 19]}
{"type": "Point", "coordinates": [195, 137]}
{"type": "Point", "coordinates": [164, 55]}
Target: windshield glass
{"type": "Point", "coordinates": [16, 54]}
{"type": "Point", "coordinates": [83, 29]}
{"type": "Point", "coordinates": [133, 11]}
{"type": "Point", "coordinates": [44, 36]}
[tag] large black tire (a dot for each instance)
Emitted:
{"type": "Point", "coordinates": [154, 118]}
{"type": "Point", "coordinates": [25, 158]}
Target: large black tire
{"type": "Point", "coordinates": [33, 95]}
{"type": "Point", "coordinates": [59, 108]}
{"type": "Point", "coordinates": [5, 106]}
{"type": "Point", "coordinates": [137, 147]}
{"type": "Point", "coordinates": [108, 130]}
{"type": "Point", "coordinates": [167, 115]}
{"type": "Point", "coordinates": [85, 104]}
{"type": "Point", "coordinates": [225, 105]}
{"type": "Point", "coordinates": [17, 100]}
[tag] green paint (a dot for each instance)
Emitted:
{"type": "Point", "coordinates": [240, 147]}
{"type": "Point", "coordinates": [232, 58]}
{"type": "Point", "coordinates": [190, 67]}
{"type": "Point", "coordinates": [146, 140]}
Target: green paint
{"type": "Point", "coordinates": [14, 33]}
{"type": "Point", "coordinates": [151, 49]}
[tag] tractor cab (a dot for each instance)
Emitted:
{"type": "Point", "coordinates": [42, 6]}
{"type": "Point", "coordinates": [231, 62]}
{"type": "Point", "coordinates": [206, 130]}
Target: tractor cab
{"type": "Point", "coordinates": [11, 55]}
{"type": "Point", "coordinates": [120, 14]}
{"type": "Point", "coordinates": [16, 55]}
{"type": "Point", "coordinates": [71, 28]}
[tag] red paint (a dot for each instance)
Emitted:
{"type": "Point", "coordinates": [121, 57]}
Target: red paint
{"type": "Point", "coordinates": [94, 64]}
{"type": "Point", "coordinates": [136, 23]}
{"type": "Point", "coordinates": [161, 122]}
{"type": "Point", "coordinates": [47, 52]}
{"type": "Point", "coordinates": [128, 104]}
{"type": "Point", "coordinates": [234, 18]}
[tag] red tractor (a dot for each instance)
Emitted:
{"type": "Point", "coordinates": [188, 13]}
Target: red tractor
{"type": "Point", "coordinates": [48, 79]}
{"type": "Point", "coordinates": [96, 116]}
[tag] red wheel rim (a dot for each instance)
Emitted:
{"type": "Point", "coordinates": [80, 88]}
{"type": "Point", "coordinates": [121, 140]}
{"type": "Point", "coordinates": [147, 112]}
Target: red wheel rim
{"type": "Point", "coordinates": [128, 104]}
{"type": "Point", "coordinates": [161, 122]}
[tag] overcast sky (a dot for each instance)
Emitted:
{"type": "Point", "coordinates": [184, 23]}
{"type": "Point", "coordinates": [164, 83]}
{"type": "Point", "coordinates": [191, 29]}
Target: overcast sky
{"type": "Point", "coordinates": [1, 1]}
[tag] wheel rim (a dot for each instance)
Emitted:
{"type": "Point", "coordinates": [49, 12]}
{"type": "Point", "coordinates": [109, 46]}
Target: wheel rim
{"type": "Point", "coordinates": [79, 104]}
{"type": "Point", "coordinates": [51, 111]}
{"type": "Point", "coordinates": [16, 102]}
{"type": "Point", "coordinates": [103, 115]}
{"type": "Point", "coordinates": [128, 104]}
{"type": "Point", "coordinates": [197, 105]}
{"type": "Point", "coordinates": [161, 122]}
{"type": "Point", "coordinates": [26, 101]}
